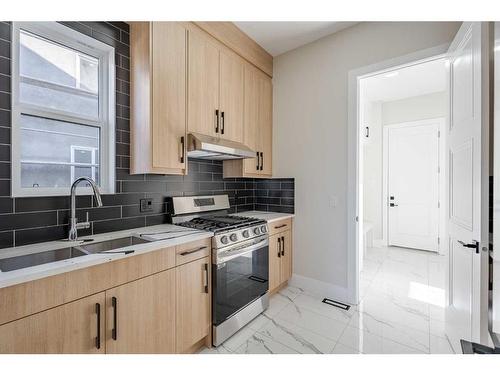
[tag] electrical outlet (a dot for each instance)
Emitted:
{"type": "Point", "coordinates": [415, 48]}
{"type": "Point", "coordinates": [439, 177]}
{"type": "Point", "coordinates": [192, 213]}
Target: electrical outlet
{"type": "Point", "coordinates": [146, 205]}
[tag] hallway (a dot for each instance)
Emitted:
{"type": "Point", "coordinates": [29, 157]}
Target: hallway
{"type": "Point", "coordinates": [401, 312]}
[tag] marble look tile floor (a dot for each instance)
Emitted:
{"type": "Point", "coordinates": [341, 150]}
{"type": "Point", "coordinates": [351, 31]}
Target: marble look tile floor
{"type": "Point", "coordinates": [401, 312]}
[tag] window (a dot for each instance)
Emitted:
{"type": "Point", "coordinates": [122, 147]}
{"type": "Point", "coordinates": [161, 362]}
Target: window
{"type": "Point", "coordinates": [62, 110]}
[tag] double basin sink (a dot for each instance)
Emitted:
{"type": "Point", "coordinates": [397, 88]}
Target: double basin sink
{"type": "Point", "coordinates": [30, 260]}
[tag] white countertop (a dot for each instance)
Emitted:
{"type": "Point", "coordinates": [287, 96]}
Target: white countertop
{"type": "Point", "coordinates": [163, 235]}
{"type": "Point", "coordinates": [264, 215]}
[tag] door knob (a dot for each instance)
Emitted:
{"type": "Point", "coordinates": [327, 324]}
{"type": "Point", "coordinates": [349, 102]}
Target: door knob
{"type": "Point", "coordinates": [473, 245]}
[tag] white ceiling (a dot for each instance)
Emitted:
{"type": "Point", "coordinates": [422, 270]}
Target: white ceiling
{"type": "Point", "coordinates": [279, 37]}
{"type": "Point", "coordinates": [415, 80]}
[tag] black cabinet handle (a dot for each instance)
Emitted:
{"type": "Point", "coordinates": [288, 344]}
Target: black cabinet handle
{"type": "Point", "coordinates": [280, 226]}
{"type": "Point", "coordinates": [205, 271]}
{"type": "Point", "coordinates": [261, 160]}
{"type": "Point", "coordinates": [282, 246]}
{"type": "Point", "coordinates": [193, 251]}
{"type": "Point", "coordinates": [98, 313]}
{"type": "Point", "coordinates": [258, 161]}
{"type": "Point", "coordinates": [222, 122]}
{"type": "Point", "coordinates": [216, 120]}
{"type": "Point", "coordinates": [183, 150]}
{"type": "Point", "coordinates": [114, 331]}
{"type": "Point", "coordinates": [279, 247]}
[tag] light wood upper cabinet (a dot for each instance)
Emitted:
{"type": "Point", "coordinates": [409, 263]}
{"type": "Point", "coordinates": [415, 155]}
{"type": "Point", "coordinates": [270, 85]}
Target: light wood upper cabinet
{"type": "Point", "coordinates": [193, 304]}
{"type": "Point", "coordinates": [158, 97]}
{"type": "Point", "coordinates": [203, 90]}
{"type": "Point", "coordinates": [258, 122]}
{"type": "Point", "coordinates": [216, 97]}
{"type": "Point", "coordinates": [76, 327]}
{"type": "Point", "coordinates": [140, 315]}
{"type": "Point", "coordinates": [232, 74]}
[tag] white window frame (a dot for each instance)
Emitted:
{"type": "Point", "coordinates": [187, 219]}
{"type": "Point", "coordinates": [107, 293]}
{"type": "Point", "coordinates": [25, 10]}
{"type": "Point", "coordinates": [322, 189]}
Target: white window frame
{"type": "Point", "coordinates": [73, 39]}
{"type": "Point", "coordinates": [92, 164]}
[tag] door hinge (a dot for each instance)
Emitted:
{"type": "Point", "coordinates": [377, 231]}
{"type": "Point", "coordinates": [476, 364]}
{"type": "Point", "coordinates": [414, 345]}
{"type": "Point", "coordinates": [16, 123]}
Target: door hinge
{"type": "Point", "coordinates": [439, 133]}
{"type": "Point", "coordinates": [439, 204]}
{"type": "Point", "coordinates": [439, 240]}
{"type": "Point", "coordinates": [439, 169]}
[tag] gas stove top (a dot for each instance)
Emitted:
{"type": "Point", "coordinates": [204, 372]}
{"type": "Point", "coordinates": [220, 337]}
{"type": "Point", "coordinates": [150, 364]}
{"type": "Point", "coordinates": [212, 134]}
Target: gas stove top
{"type": "Point", "coordinates": [220, 223]}
{"type": "Point", "coordinates": [209, 213]}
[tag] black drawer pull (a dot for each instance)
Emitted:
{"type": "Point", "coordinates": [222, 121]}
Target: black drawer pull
{"type": "Point", "coordinates": [279, 247]}
{"type": "Point", "coordinates": [98, 313]}
{"type": "Point", "coordinates": [280, 226]}
{"type": "Point", "coordinates": [282, 246]}
{"type": "Point", "coordinates": [183, 150]}
{"type": "Point", "coordinates": [216, 120]}
{"type": "Point", "coordinates": [258, 161]}
{"type": "Point", "coordinates": [222, 122]}
{"type": "Point", "coordinates": [114, 331]}
{"type": "Point", "coordinates": [205, 271]}
{"type": "Point", "coordinates": [192, 251]}
{"type": "Point", "coordinates": [261, 161]}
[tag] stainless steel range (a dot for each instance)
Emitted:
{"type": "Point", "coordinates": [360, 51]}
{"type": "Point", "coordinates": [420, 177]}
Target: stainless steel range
{"type": "Point", "coordinates": [240, 260]}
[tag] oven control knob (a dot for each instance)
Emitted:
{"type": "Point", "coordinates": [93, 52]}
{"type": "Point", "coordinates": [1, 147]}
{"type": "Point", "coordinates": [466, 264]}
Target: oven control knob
{"type": "Point", "coordinates": [256, 230]}
{"type": "Point", "coordinates": [233, 237]}
{"type": "Point", "coordinates": [246, 233]}
{"type": "Point", "coordinates": [224, 240]}
{"type": "Point", "coordinates": [263, 229]}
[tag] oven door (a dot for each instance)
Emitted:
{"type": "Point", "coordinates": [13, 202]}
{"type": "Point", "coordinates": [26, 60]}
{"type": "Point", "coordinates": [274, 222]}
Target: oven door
{"type": "Point", "coordinates": [240, 276]}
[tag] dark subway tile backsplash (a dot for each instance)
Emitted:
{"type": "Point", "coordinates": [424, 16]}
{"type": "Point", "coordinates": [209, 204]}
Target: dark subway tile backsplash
{"type": "Point", "coordinates": [32, 220]}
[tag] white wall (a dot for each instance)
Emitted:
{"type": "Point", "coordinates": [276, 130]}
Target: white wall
{"type": "Point", "coordinates": [380, 114]}
{"type": "Point", "coordinates": [310, 133]}
{"type": "Point", "coordinates": [415, 108]}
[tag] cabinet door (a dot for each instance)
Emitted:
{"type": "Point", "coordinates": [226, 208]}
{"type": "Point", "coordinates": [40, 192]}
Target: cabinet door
{"type": "Point", "coordinates": [231, 85]}
{"type": "Point", "coordinates": [251, 118]}
{"type": "Point", "coordinates": [266, 124]}
{"type": "Point", "coordinates": [168, 95]}
{"type": "Point", "coordinates": [258, 121]}
{"type": "Point", "coordinates": [274, 262]}
{"type": "Point", "coordinates": [69, 328]}
{"type": "Point", "coordinates": [203, 84]}
{"type": "Point", "coordinates": [286, 255]}
{"type": "Point", "coordinates": [193, 303]}
{"type": "Point", "coordinates": [140, 315]}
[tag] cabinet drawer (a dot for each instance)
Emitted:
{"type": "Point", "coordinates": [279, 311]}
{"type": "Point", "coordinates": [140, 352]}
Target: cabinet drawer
{"type": "Point", "coordinates": [193, 250]}
{"type": "Point", "coordinates": [280, 226]}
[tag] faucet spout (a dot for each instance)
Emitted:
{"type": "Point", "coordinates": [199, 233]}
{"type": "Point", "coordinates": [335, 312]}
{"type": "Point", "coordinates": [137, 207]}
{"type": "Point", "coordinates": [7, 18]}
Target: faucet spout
{"type": "Point", "coordinates": [73, 224]}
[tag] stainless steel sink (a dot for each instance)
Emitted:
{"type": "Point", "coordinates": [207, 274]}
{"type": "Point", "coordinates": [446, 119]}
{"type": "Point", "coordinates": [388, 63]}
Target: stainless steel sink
{"type": "Point", "coordinates": [30, 260]}
{"type": "Point", "coordinates": [117, 243]}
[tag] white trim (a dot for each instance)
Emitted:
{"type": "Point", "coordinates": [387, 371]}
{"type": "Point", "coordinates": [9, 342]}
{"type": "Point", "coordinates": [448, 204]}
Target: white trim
{"type": "Point", "coordinates": [68, 37]}
{"type": "Point", "coordinates": [442, 178]}
{"type": "Point", "coordinates": [353, 226]}
{"type": "Point", "coordinates": [318, 287]}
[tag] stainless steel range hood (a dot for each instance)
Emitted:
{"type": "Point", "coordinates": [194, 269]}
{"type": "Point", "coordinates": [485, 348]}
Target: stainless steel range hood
{"type": "Point", "coordinates": [213, 148]}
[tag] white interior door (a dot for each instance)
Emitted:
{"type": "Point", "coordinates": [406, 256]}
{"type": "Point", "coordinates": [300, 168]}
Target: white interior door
{"type": "Point", "coordinates": [413, 184]}
{"type": "Point", "coordinates": [466, 316]}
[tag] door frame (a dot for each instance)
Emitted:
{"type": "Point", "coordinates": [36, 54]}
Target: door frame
{"type": "Point", "coordinates": [354, 221]}
{"type": "Point", "coordinates": [441, 179]}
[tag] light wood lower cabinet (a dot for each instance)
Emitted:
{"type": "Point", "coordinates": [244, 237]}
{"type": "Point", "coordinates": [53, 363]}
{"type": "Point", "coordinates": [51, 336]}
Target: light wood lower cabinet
{"type": "Point", "coordinates": [76, 327]}
{"type": "Point", "coordinates": [158, 302]}
{"type": "Point", "coordinates": [280, 259]}
{"type": "Point", "coordinates": [193, 304]}
{"type": "Point", "coordinates": [140, 316]}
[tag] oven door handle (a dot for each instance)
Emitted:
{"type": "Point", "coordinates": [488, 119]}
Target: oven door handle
{"type": "Point", "coordinates": [245, 250]}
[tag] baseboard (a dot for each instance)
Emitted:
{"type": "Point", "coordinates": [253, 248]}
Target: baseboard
{"type": "Point", "coordinates": [320, 288]}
